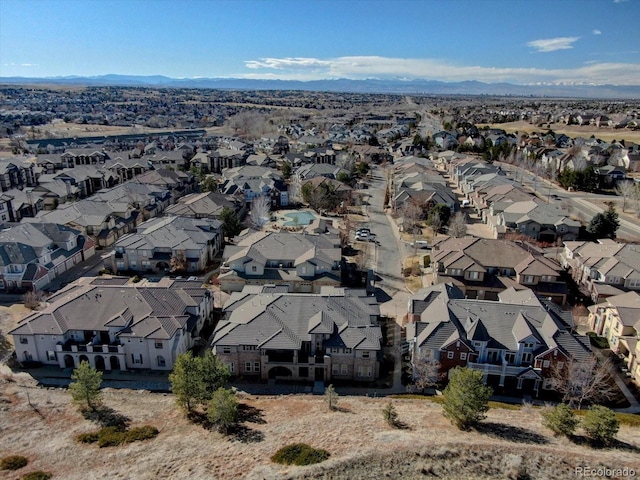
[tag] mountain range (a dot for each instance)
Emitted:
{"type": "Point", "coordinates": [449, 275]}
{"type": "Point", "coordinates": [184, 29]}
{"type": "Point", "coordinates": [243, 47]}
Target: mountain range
{"type": "Point", "coordinates": [392, 86]}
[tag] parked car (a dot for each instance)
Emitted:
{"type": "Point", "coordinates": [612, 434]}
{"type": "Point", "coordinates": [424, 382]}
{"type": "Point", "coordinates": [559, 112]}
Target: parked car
{"type": "Point", "coordinates": [362, 236]}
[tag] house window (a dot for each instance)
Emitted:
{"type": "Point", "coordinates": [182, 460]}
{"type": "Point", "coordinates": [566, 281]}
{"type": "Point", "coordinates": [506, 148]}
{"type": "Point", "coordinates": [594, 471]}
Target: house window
{"type": "Point", "coordinates": [232, 367]}
{"type": "Point", "coordinates": [344, 369]}
{"type": "Point", "coordinates": [364, 371]}
{"type": "Point", "coordinates": [256, 366]}
{"type": "Point", "coordinates": [136, 358]}
{"type": "Point", "coordinates": [546, 363]}
{"type": "Point", "coordinates": [160, 360]}
{"type": "Point", "coordinates": [158, 344]}
{"type": "Point", "coordinates": [529, 345]}
{"type": "Point", "coordinates": [247, 367]}
{"type": "Point", "coordinates": [226, 349]}
{"type": "Point", "coordinates": [526, 358]}
{"type": "Point", "coordinates": [560, 365]}
{"type": "Point", "coordinates": [510, 358]}
{"type": "Point", "coordinates": [51, 356]}
{"type": "Point", "coordinates": [248, 348]}
{"type": "Point", "coordinates": [450, 355]}
{"type": "Point", "coordinates": [24, 340]}
{"type": "Point", "coordinates": [463, 355]}
{"type": "Point", "coordinates": [365, 354]}
{"type": "Point", "coordinates": [254, 268]}
{"type": "Point", "coordinates": [473, 275]}
{"type": "Point", "coordinates": [528, 279]}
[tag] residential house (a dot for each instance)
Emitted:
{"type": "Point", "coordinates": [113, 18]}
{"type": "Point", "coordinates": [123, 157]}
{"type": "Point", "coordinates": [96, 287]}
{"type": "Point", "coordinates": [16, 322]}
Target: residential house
{"type": "Point", "coordinates": [603, 263]}
{"type": "Point", "coordinates": [33, 254]}
{"type": "Point", "coordinates": [207, 205]}
{"type": "Point", "coordinates": [541, 221]}
{"type": "Point", "coordinates": [161, 244]}
{"type": "Point", "coordinates": [16, 172]}
{"type": "Point", "coordinates": [269, 333]}
{"type": "Point", "coordinates": [256, 181]}
{"type": "Point", "coordinates": [303, 262]}
{"type": "Point", "coordinates": [482, 268]}
{"type": "Point", "coordinates": [617, 318]}
{"type": "Point", "coordinates": [516, 342]}
{"type": "Point", "coordinates": [138, 327]}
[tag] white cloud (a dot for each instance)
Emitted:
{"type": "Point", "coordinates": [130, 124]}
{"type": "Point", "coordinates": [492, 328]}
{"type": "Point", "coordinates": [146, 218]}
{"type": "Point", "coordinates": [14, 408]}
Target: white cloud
{"type": "Point", "coordinates": [553, 44]}
{"type": "Point", "coordinates": [619, 1]}
{"type": "Point", "coordinates": [596, 32]}
{"type": "Point", "coordinates": [28, 64]}
{"type": "Point", "coordinates": [361, 67]}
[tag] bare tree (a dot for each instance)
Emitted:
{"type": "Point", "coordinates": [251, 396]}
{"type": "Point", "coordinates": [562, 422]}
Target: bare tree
{"type": "Point", "coordinates": [584, 381]}
{"type": "Point", "coordinates": [294, 191]}
{"type": "Point", "coordinates": [345, 231]}
{"type": "Point", "coordinates": [426, 373]}
{"type": "Point", "coordinates": [250, 124]}
{"type": "Point", "coordinates": [626, 189]}
{"type": "Point", "coordinates": [259, 215]}
{"type": "Point", "coordinates": [33, 299]}
{"type": "Point", "coordinates": [178, 262]}
{"type": "Point", "coordinates": [362, 260]}
{"type": "Point", "coordinates": [458, 225]}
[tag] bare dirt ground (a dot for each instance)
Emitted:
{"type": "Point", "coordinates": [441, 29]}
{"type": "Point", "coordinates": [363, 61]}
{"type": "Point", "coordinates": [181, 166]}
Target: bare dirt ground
{"type": "Point", "coordinates": [361, 444]}
{"type": "Point", "coordinates": [9, 318]}
{"type": "Point", "coordinates": [585, 131]}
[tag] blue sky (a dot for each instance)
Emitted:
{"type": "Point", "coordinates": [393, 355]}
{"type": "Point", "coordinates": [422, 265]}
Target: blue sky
{"type": "Point", "coordinates": [516, 41]}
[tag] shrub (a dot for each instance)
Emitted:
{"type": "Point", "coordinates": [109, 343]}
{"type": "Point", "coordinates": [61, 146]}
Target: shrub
{"type": "Point", "coordinates": [135, 279]}
{"type": "Point", "coordinates": [390, 414]}
{"type": "Point", "coordinates": [111, 437]}
{"type": "Point", "coordinates": [299, 454]}
{"type": "Point", "coordinates": [600, 424]}
{"type": "Point", "coordinates": [331, 397]}
{"type": "Point", "coordinates": [89, 437]}
{"type": "Point", "coordinates": [38, 475]}
{"type": "Point", "coordinates": [145, 432]}
{"type": "Point", "coordinates": [13, 462]}
{"type": "Point", "coordinates": [560, 420]}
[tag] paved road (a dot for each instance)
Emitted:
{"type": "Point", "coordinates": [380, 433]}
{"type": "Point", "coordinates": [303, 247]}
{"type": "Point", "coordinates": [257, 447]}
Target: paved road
{"type": "Point", "coordinates": [88, 268]}
{"type": "Point", "coordinates": [386, 257]}
{"type": "Point", "coordinates": [580, 203]}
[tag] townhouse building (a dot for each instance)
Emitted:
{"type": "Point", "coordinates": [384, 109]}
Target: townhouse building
{"type": "Point", "coordinates": [269, 333]}
{"type": "Point", "coordinates": [133, 327]}
{"type": "Point", "coordinates": [517, 342]}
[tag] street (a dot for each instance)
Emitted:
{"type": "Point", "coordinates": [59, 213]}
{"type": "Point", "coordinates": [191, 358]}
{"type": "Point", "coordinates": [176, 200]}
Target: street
{"type": "Point", "coordinates": [581, 204]}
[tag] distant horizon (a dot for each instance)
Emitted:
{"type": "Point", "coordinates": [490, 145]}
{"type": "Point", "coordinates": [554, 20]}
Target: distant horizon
{"type": "Point", "coordinates": [578, 42]}
{"type": "Point", "coordinates": [326, 79]}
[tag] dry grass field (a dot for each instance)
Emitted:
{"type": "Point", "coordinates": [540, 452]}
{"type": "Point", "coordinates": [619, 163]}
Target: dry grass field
{"type": "Point", "coordinates": [572, 131]}
{"type": "Point", "coordinates": [361, 444]}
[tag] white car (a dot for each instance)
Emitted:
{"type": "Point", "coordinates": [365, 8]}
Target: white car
{"type": "Point", "coordinates": [362, 236]}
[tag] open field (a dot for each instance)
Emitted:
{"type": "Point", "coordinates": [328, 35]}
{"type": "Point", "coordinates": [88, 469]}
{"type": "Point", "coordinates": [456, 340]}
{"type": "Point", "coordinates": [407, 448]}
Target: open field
{"type": "Point", "coordinates": [572, 131]}
{"type": "Point", "coordinates": [361, 444]}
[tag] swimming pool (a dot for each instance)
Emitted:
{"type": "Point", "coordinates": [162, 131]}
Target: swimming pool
{"type": "Point", "coordinates": [304, 217]}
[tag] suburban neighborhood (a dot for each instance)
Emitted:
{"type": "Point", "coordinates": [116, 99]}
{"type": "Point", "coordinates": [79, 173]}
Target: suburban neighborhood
{"type": "Point", "coordinates": [374, 247]}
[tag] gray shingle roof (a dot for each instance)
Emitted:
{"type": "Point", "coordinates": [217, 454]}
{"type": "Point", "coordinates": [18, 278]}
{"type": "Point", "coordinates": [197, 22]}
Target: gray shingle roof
{"type": "Point", "coordinates": [284, 320]}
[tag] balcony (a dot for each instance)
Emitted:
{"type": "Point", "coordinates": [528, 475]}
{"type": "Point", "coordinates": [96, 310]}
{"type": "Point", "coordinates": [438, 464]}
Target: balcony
{"type": "Point", "coordinates": [75, 347]}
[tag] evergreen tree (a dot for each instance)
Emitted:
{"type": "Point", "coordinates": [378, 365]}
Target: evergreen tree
{"type": "Point", "coordinates": [186, 382]}
{"type": "Point", "coordinates": [231, 225]}
{"type": "Point", "coordinates": [604, 225]}
{"type": "Point", "coordinates": [85, 388]}
{"type": "Point", "coordinates": [600, 425]}
{"type": "Point", "coordinates": [560, 420]}
{"type": "Point", "coordinates": [222, 409]}
{"type": "Point", "coordinates": [466, 398]}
